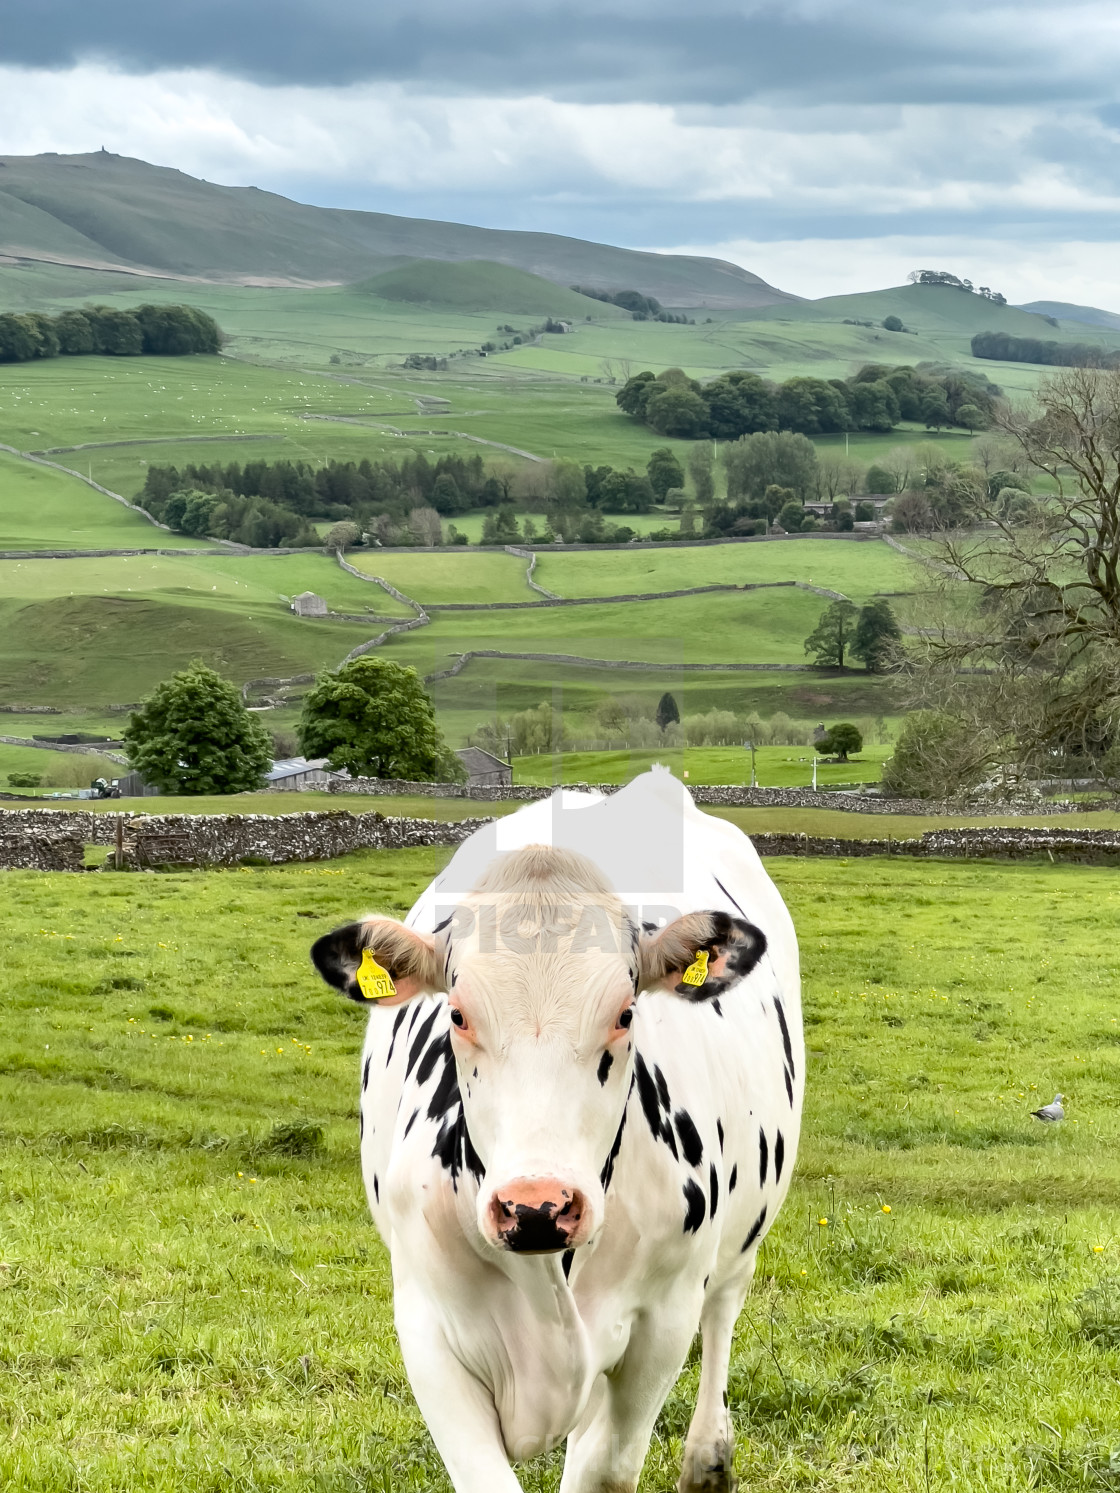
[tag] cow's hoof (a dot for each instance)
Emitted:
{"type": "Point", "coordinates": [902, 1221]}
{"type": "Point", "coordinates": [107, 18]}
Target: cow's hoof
{"type": "Point", "coordinates": [716, 1479]}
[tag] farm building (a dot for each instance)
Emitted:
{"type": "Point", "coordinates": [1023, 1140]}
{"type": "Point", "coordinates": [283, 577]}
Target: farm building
{"type": "Point", "coordinates": [307, 604]}
{"type": "Point", "coordinates": [484, 770]}
{"type": "Point", "coordinates": [296, 773]}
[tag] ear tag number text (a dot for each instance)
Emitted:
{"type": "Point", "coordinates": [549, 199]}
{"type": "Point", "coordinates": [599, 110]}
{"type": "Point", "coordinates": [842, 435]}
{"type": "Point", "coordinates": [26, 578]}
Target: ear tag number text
{"type": "Point", "coordinates": [375, 983]}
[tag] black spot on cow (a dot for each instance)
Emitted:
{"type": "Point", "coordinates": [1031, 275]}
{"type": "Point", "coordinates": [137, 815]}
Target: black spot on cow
{"type": "Point", "coordinates": [439, 927]}
{"type": "Point", "coordinates": [401, 1014]}
{"type": "Point", "coordinates": [604, 1067]}
{"type": "Point", "coordinates": [445, 1095]}
{"type": "Point", "coordinates": [719, 1133]}
{"type": "Point", "coordinates": [691, 1144]}
{"type": "Point", "coordinates": [787, 1046]}
{"type": "Point", "coordinates": [413, 1117]}
{"type": "Point", "coordinates": [426, 1066]}
{"type": "Point", "coordinates": [420, 1041]}
{"type": "Point", "coordinates": [365, 1072]}
{"type": "Point", "coordinates": [566, 1261]}
{"type": "Point", "coordinates": [789, 1086]}
{"type": "Point", "coordinates": [763, 1157]}
{"type": "Point", "coordinates": [755, 1230]}
{"type": "Point", "coordinates": [662, 1088]}
{"type": "Point", "coordinates": [732, 1181]}
{"type": "Point", "coordinates": [715, 1006]}
{"type": "Point", "coordinates": [361, 1125]}
{"type": "Point", "coordinates": [650, 1090]}
{"type": "Point", "coordinates": [376, 1189]}
{"type": "Point", "coordinates": [695, 1209]}
{"type": "Point", "coordinates": [608, 1166]}
{"type": "Point", "coordinates": [779, 1155]}
{"type": "Point", "coordinates": [713, 1190]}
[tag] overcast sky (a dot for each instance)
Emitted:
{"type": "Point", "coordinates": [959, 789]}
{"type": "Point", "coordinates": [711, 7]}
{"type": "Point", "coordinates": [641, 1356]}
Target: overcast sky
{"type": "Point", "coordinates": [828, 145]}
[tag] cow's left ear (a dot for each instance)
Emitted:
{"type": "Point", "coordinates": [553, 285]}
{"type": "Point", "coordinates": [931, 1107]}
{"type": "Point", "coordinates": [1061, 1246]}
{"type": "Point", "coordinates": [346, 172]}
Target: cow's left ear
{"type": "Point", "coordinates": [673, 958]}
{"type": "Point", "coordinates": [409, 958]}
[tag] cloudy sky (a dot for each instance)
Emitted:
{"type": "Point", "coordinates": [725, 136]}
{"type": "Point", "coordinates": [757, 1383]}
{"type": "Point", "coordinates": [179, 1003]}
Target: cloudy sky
{"type": "Point", "coordinates": [829, 145]}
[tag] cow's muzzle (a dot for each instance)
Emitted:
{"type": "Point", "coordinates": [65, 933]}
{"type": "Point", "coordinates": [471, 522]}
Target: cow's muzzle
{"type": "Point", "coordinates": [537, 1217]}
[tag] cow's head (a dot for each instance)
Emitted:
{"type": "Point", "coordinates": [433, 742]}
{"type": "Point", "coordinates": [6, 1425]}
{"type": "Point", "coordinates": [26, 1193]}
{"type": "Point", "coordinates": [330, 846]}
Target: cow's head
{"type": "Point", "coordinates": [542, 965]}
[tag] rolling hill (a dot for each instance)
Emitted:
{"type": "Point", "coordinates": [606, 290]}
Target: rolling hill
{"type": "Point", "coordinates": [482, 285]}
{"type": "Point", "coordinates": [921, 308]}
{"type": "Point", "coordinates": [1091, 316]}
{"type": "Point", "coordinates": [106, 210]}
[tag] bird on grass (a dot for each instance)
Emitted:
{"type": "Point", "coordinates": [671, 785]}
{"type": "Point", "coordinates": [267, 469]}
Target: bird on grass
{"type": "Point", "coordinates": [1051, 1113]}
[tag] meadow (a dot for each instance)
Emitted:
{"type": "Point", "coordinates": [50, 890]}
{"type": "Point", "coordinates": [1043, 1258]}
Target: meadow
{"type": "Point", "coordinates": [195, 1298]}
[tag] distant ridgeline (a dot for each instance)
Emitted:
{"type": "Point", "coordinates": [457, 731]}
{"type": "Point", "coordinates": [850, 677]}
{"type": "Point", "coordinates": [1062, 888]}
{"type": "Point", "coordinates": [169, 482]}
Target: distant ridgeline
{"type": "Point", "coordinates": [875, 398]}
{"type": "Point", "coordinates": [170, 331]}
{"type": "Point", "coordinates": [1008, 349]}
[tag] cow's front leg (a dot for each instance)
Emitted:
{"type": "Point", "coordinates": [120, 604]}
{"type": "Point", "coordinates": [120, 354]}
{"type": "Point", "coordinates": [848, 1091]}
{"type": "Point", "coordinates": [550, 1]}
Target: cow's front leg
{"type": "Point", "coordinates": [459, 1410]}
{"type": "Point", "coordinates": [709, 1450]}
{"type": "Point", "coordinates": [606, 1452]}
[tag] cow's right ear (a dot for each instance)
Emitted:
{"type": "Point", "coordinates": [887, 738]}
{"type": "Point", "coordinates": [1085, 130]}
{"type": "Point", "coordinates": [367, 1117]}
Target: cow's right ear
{"type": "Point", "coordinates": [410, 958]}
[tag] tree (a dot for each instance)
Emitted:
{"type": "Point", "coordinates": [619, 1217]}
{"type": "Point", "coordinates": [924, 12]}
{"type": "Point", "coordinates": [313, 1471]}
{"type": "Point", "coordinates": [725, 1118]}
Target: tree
{"type": "Point", "coordinates": [194, 735]}
{"type": "Point", "coordinates": [664, 471]}
{"type": "Point", "coordinates": [878, 636]}
{"type": "Point", "coordinates": [839, 741]}
{"type": "Point", "coordinates": [341, 536]}
{"type": "Point", "coordinates": [893, 324]}
{"type": "Point", "coordinates": [678, 412]}
{"type": "Point", "coordinates": [791, 517]}
{"type": "Point", "coordinates": [937, 755]}
{"type": "Point", "coordinates": [425, 524]}
{"type": "Point", "coordinates": [373, 718]}
{"type": "Point", "coordinates": [667, 712]}
{"type": "Point", "coordinates": [700, 470]}
{"type": "Point", "coordinates": [971, 417]}
{"type": "Point", "coordinates": [832, 637]}
{"type": "Point", "coordinates": [770, 458]}
{"type": "Point", "coordinates": [880, 481]}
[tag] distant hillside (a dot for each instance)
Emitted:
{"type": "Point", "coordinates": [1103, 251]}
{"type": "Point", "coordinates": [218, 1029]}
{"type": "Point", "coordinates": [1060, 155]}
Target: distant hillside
{"type": "Point", "coordinates": [102, 209]}
{"type": "Point", "coordinates": [482, 285]}
{"type": "Point", "coordinates": [922, 308]}
{"type": "Point", "coordinates": [1091, 316]}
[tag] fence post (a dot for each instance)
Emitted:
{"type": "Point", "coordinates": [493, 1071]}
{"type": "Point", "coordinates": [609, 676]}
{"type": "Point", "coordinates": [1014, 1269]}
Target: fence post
{"type": "Point", "coordinates": [118, 853]}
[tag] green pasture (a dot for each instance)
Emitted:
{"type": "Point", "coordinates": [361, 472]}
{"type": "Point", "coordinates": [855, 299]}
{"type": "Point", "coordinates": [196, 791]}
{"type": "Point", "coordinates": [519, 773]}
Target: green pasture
{"type": "Point", "coordinates": [44, 509]}
{"type": "Point", "coordinates": [757, 627]}
{"type": "Point", "coordinates": [858, 568]}
{"type": "Point", "coordinates": [449, 575]}
{"type": "Point", "coordinates": [195, 1297]}
{"type": "Point", "coordinates": [61, 770]}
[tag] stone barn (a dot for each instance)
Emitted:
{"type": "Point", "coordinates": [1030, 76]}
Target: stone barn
{"type": "Point", "coordinates": [307, 604]}
{"type": "Point", "coordinates": [484, 770]}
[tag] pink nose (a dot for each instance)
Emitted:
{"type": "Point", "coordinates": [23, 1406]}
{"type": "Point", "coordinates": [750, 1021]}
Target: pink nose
{"type": "Point", "coordinates": [538, 1216]}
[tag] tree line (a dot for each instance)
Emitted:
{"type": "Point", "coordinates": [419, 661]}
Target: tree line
{"type": "Point", "coordinates": [1010, 349]}
{"type": "Point", "coordinates": [641, 307]}
{"type": "Point", "coordinates": [739, 403]}
{"type": "Point", "coordinates": [168, 331]}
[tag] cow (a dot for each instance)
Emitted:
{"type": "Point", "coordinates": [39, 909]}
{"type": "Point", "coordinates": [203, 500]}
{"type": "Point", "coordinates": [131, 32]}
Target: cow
{"type": "Point", "coordinates": [581, 1092]}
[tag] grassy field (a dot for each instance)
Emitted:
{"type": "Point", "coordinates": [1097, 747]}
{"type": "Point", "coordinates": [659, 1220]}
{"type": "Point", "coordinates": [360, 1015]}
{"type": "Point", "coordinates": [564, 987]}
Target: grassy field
{"type": "Point", "coordinates": [776, 766]}
{"type": "Point", "coordinates": [61, 770]}
{"type": "Point", "coordinates": [195, 1298]}
{"type": "Point", "coordinates": [449, 575]}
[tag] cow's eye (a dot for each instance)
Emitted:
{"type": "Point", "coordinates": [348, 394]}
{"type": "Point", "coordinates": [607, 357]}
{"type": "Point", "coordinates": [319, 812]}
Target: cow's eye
{"type": "Point", "coordinates": [457, 1017]}
{"type": "Point", "coordinates": [626, 1017]}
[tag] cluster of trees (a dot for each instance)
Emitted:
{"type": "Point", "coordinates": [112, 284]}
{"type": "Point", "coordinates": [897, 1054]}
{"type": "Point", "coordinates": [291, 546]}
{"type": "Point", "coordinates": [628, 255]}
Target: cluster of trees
{"type": "Point", "coordinates": [171, 331]}
{"type": "Point", "coordinates": [935, 493]}
{"type": "Point", "coordinates": [741, 403]}
{"type": "Point", "coordinates": [641, 307]}
{"type": "Point", "coordinates": [1010, 349]}
{"type": "Point", "coordinates": [943, 277]}
{"type": "Point", "coordinates": [628, 721]}
{"type": "Point", "coordinates": [870, 633]}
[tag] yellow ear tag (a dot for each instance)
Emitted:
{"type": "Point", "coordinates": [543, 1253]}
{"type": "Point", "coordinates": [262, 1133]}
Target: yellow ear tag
{"type": "Point", "coordinates": [697, 971]}
{"type": "Point", "coordinates": [375, 983]}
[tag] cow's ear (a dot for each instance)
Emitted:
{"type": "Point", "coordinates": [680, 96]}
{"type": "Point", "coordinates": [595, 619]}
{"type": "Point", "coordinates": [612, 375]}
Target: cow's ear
{"type": "Point", "coordinates": [673, 958]}
{"type": "Point", "coordinates": [408, 956]}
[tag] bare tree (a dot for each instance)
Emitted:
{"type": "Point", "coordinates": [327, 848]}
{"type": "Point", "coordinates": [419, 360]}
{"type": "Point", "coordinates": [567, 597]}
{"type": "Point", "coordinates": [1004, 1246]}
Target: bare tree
{"type": "Point", "coordinates": [425, 524]}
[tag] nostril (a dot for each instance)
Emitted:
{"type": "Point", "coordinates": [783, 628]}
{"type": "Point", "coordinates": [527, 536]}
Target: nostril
{"type": "Point", "coordinates": [536, 1216]}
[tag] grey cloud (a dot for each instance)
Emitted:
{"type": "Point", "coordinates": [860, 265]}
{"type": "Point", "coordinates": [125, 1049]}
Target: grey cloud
{"type": "Point", "coordinates": [714, 52]}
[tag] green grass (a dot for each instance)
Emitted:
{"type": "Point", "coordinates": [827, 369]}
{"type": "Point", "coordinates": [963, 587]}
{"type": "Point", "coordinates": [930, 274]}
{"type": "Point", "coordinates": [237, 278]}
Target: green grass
{"type": "Point", "coordinates": [58, 769]}
{"type": "Point", "coordinates": [195, 1298]}
{"type": "Point", "coordinates": [482, 285]}
{"type": "Point", "coordinates": [857, 568]}
{"type": "Point", "coordinates": [449, 574]}
{"type": "Point", "coordinates": [45, 509]}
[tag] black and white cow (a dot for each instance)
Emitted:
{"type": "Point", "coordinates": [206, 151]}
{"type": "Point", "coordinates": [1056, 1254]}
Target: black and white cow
{"type": "Point", "coordinates": [580, 1106]}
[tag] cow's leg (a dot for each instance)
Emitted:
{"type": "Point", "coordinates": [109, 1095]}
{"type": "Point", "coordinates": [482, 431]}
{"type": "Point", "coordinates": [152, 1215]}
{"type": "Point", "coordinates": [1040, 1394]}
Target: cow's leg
{"type": "Point", "coordinates": [458, 1410]}
{"type": "Point", "coordinates": [605, 1454]}
{"type": "Point", "coordinates": [709, 1450]}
